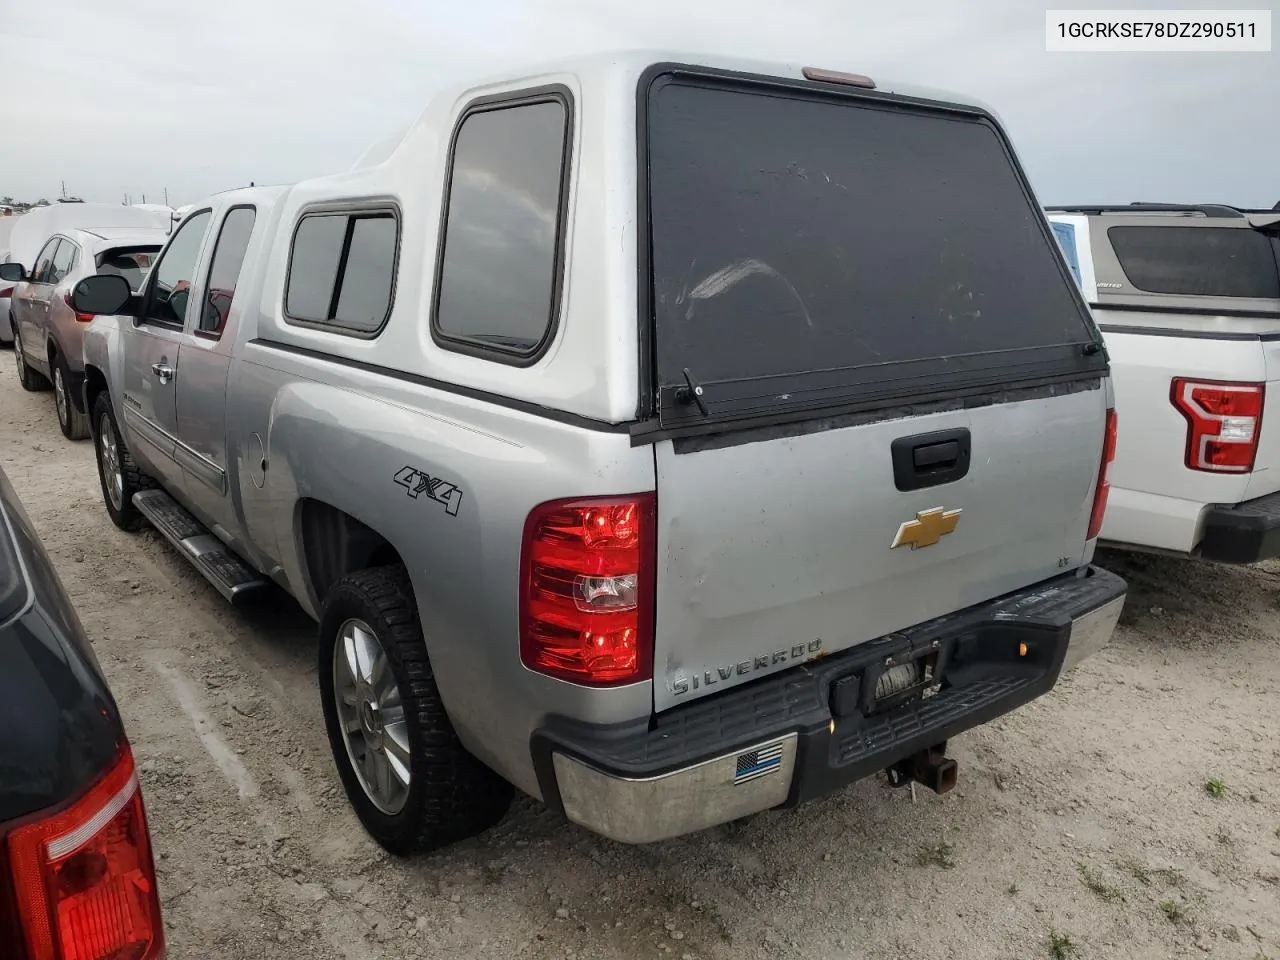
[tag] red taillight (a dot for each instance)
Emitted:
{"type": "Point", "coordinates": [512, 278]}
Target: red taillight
{"type": "Point", "coordinates": [1224, 421]}
{"type": "Point", "coordinates": [84, 879]}
{"type": "Point", "coordinates": [1103, 489]}
{"type": "Point", "coordinates": [587, 589]}
{"type": "Point", "coordinates": [82, 317]}
{"type": "Point", "coordinates": [6, 292]}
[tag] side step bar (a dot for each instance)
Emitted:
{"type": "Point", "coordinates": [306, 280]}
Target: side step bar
{"type": "Point", "coordinates": [231, 576]}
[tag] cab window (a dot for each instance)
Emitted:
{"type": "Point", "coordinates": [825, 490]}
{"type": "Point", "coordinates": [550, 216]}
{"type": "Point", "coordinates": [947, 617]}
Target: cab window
{"type": "Point", "coordinates": [224, 272]}
{"type": "Point", "coordinates": [167, 298]}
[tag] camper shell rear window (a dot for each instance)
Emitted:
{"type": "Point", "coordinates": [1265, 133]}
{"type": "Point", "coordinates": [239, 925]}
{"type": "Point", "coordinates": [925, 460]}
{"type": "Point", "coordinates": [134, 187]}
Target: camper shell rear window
{"type": "Point", "coordinates": [1196, 261]}
{"type": "Point", "coordinates": [812, 247]}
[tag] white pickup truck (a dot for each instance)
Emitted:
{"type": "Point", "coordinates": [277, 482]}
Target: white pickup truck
{"type": "Point", "coordinates": [1188, 300]}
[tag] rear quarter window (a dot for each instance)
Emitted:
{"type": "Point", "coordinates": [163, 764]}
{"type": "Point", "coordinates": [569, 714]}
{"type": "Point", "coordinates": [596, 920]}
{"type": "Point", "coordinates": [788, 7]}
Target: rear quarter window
{"type": "Point", "coordinates": [224, 271]}
{"type": "Point", "coordinates": [1198, 261]}
{"type": "Point", "coordinates": [130, 264]}
{"type": "Point", "coordinates": [342, 269]}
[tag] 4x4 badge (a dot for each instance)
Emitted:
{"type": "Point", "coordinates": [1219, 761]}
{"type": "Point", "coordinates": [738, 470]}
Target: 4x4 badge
{"type": "Point", "coordinates": [927, 528]}
{"type": "Point", "coordinates": [416, 483]}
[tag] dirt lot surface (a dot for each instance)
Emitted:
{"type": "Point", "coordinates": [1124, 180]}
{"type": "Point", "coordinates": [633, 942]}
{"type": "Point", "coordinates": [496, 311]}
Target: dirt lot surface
{"type": "Point", "coordinates": [1132, 812]}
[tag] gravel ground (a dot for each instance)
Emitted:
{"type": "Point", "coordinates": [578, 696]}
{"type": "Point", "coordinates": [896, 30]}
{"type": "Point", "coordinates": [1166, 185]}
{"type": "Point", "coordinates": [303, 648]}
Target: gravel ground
{"type": "Point", "coordinates": [1084, 824]}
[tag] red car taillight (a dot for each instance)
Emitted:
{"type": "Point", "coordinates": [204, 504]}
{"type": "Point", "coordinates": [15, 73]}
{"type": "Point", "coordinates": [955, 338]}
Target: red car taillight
{"type": "Point", "coordinates": [1223, 423]}
{"type": "Point", "coordinates": [82, 317]}
{"type": "Point", "coordinates": [6, 292]}
{"type": "Point", "coordinates": [84, 879]}
{"type": "Point", "coordinates": [1103, 489]}
{"type": "Point", "coordinates": [587, 589]}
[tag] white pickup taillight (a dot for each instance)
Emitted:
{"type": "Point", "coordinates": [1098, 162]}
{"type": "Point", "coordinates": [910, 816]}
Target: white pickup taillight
{"type": "Point", "coordinates": [1103, 488]}
{"type": "Point", "coordinates": [587, 571]}
{"type": "Point", "coordinates": [84, 879]}
{"type": "Point", "coordinates": [1224, 420]}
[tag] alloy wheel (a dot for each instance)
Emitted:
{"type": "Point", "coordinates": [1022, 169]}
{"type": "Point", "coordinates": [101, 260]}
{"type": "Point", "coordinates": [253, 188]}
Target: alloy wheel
{"type": "Point", "coordinates": [372, 716]}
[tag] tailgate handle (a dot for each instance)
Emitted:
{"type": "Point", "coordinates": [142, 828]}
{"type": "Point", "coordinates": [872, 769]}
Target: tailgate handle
{"type": "Point", "coordinates": [936, 454]}
{"type": "Point", "coordinates": [930, 459]}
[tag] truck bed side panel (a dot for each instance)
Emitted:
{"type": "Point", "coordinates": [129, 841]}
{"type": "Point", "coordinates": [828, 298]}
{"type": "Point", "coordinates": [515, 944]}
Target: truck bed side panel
{"type": "Point", "coordinates": [497, 463]}
{"type": "Point", "coordinates": [1155, 499]}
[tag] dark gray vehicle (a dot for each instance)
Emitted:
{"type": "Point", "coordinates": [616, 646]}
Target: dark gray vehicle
{"type": "Point", "coordinates": [670, 441]}
{"type": "Point", "coordinates": [76, 870]}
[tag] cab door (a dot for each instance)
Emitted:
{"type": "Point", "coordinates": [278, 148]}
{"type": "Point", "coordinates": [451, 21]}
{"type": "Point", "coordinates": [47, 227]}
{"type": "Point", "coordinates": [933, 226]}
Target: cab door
{"type": "Point", "coordinates": [152, 353]}
{"type": "Point", "coordinates": [201, 450]}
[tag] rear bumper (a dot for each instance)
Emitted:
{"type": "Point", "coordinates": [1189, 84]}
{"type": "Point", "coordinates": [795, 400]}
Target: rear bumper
{"type": "Point", "coordinates": [817, 727]}
{"type": "Point", "coordinates": [1242, 532]}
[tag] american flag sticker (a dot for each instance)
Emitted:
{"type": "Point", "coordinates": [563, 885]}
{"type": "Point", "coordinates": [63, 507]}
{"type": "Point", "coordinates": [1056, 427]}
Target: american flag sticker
{"type": "Point", "coordinates": [758, 763]}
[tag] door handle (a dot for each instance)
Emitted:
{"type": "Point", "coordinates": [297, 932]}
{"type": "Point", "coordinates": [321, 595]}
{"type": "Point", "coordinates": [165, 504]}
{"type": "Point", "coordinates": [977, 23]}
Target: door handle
{"type": "Point", "coordinates": [930, 459]}
{"type": "Point", "coordinates": [163, 372]}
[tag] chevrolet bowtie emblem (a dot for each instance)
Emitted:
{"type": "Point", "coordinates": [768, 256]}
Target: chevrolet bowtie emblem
{"type": "Point", "coordinates": [927, 528]}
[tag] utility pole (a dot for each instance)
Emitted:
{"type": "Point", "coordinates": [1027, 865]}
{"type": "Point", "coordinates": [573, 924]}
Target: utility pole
{"type": "Point", "coordinates": [166, 196]}
{"type": "Point", "coordinates": [64, 189]}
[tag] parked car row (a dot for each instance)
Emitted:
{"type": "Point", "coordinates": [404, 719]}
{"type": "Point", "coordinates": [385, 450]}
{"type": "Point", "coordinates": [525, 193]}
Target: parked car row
{"type": "Point", "coordinates": [7, 223]}
{"type": "Point", "coordinates": [56, 247]}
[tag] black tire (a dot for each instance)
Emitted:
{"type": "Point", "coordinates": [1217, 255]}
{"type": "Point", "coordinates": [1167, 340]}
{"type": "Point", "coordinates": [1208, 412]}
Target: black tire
{"type": "Point", "coordinates": [451, 794]}
{"type": "Point", "coordinates": [73, 423]}
{"type": "Point", "coordinates": [31, 380]}
{"type": "Point", "coordinates": [125, 515]}
{"type": "Point", "coordinates": [8, 344]}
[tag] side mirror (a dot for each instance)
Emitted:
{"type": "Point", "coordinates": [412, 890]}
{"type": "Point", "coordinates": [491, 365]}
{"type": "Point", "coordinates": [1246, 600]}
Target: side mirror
{"type": "Point", "coordinates": [12, 272]}
{"type": "Point", "coordinates": [101, 294]}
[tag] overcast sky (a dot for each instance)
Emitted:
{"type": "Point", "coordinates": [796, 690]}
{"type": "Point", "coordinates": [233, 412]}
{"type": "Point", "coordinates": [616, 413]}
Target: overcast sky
{"type": "Point", "coordinates": [200, 95]}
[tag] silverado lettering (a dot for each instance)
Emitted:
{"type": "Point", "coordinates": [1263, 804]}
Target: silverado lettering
{"type": "Point", "coordinates": [681, 685]}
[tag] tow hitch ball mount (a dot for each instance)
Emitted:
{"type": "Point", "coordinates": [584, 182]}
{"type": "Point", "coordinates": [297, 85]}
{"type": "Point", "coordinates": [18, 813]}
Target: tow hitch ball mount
{"type": "Point", "coordinates": [931, 767]}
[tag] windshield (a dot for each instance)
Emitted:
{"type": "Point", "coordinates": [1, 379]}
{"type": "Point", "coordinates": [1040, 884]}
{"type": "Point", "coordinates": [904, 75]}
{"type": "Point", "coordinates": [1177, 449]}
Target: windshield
{"type": "Point", "coordinates": [825, 242]}
{"type": "Point", "coordinates": [132, 264]}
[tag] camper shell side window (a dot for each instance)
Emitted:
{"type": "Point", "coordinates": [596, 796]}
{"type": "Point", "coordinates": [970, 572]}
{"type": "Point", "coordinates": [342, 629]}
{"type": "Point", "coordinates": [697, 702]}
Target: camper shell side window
{"type": "Point", "coordinates": [500, 268]}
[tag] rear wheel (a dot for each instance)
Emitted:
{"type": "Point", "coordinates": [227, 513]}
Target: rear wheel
{"type": "Point", "coordinates": [74, 424]}
{"type": "Point", "coordinates": [30, 379]}
{"type": "Point", "coordinates": [118, 474]}
{"type": "Point", "coordinates": [412, 783]}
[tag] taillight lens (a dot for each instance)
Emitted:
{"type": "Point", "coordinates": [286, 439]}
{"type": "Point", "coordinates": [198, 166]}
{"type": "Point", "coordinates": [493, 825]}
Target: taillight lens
{"type": "Point", "coordinates": [587, 589]}
{"type": "Point", "coordinates": [82, 317]}
{"type": "Point", "coordinates": [1223, 423]}
{"type": "Point", "coordinates": [6, 292]}
{"type": "Point", "coordinates": [1103, 490]}
{"type": "Point", "coordinates": [84, 878]}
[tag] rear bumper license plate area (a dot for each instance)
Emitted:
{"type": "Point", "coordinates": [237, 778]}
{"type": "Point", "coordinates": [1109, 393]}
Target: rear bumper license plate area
{"type": "Point", "coordinates": [802, 733]}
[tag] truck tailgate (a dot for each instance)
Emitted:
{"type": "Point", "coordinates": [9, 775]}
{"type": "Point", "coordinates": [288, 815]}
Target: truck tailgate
{"type": "Point", "coordinates": [781, 550]}
{"type": "Point", "coordinates": [835, 276]}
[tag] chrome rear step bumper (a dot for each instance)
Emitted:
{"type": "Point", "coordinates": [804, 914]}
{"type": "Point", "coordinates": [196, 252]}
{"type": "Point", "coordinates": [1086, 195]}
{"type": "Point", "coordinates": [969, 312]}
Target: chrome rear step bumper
{"type": "Point", "coordinates": [813, 729]}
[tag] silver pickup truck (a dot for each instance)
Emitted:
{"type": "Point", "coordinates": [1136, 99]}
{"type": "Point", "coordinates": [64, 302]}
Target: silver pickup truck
{"type": "Point", "coordinates": [671, 441]}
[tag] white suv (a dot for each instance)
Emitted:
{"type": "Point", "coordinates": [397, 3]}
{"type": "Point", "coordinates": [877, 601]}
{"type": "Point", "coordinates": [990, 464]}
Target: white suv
{"type": "Point", "coordinates": [1188, 300]}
